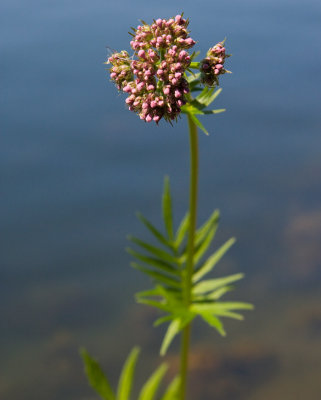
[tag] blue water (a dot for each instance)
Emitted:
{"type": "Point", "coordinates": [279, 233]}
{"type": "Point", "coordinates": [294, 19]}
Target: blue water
{"type": "Point", "coordinates": [76, 166]}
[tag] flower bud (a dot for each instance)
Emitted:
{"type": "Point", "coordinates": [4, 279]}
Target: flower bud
{"type": "Point", "coordinates": [212, 66]}
{"type": "Point", "coordinates": [144, 78]}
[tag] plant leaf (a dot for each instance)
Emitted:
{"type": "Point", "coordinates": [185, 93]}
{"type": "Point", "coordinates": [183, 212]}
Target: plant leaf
{"type": "Point", "coordinates": [214, 322]}
{"type": "Point", "coordinates": [235, 305]}
{"type": "Point", "coordinates": [161, 254]}
{"type": "Point", "coordinates": [150, 388]}
{"type": "Point", "coordinates": [213, 96]}
{"type": "Point", "coordinates": [127, 375]}
{"type": "Point", "coordinates": [199, 253]}
{"type": "Point", "coordinates": [229, 314]}
{"type": "Point", "coordinates": [207, 96]}
{"type": "Point", "coordinates": [167, 209]}
{"type": "Point", "coordinates": [201, 98]}
{"type": "Point", "coordinates": [218, 111]}
{"type": "Point", "coordinates": [154, 303]}
{"type": "Point", "coordinates": [153, 230]}
{"type": "Point", "coordinates": [194, 54]}
{"type": "Point", "coordinates": [174, 328]}
{"type": "Point", "coordinates": [212, 260]}
{"type": "Point", "coordinates": [163, 265]}
{"type": "Point", "coordinates": [192, 78]}
{"type": "Point", "coordinates": [201, 233]}
{"type": "Point", "coordinates": [181, 232]}
{"type": "Point", "coordinates": [195, 88]}
{"type": "Point", "coordinates": [158, 276]}
{"type": "Point", "coordinates": [211, 284]}
{"type": "Point", "coordinates": [96, 377]}
{"type": "Point", "coordinates": [171, 297]}
{"type": "Point", "coordinates": [162, 320]}
{"type": "Point", "coordinates": [192, 108]}
{"type": "Point", "coordinates": [220, 308]}
{"type": "Point", "coordinates": [198, 123]}
{"type": "Point", "coordinates": [172, 391]}
{"type": "Point", "coordinates": [194, 64]}
{"type": "Point", "coordinates": [215, 295]}
{"type": "Point", "coordinates": [203, 237]}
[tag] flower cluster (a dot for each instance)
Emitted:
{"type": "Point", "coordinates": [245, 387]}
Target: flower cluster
{"type": "Point", "coordinates": [154, 79]}
{"type": "Point", "coordinates": [121, 71]}
{"type": "Point", "coordinates": [213, 65]}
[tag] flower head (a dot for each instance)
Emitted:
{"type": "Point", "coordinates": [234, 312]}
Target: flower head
{"type": "Point", "coordinates": [120, 72]}
{"type": "Point", "coordinates": [154, 77]}
{"type": "Point", "coordinates": [212, 66]}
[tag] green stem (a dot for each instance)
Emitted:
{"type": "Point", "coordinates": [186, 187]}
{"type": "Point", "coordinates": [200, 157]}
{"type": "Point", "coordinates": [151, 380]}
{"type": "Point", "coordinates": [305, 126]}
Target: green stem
{"type": "Point", "coordinates": [190, 251]}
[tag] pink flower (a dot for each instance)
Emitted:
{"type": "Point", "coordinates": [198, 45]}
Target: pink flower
{"type": "Point", "coordinates": [212, 66]}
{"type": "Point", "coordinates": [155, 89]}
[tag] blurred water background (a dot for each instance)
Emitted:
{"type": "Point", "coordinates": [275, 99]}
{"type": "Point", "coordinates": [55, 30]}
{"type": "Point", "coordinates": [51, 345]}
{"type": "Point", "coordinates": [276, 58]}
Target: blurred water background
{"type": "Point", "coordinates": [76, 166]}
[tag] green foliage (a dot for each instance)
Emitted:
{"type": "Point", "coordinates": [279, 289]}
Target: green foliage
{"type": "Point", "coordinates": [127, 376]}
{"type": "Point", "coordinates": [165, 264]}
{"type": "Point", "coordinates": [198, 105]}
{"type": "Point", "coordinates": [150, 388]}
{"type": "Point", "coordinates": [172, 391]}
{"type": "Point", "coordinates": [100, 384]}
{"type": "Point", "coordinates": [96, 377]}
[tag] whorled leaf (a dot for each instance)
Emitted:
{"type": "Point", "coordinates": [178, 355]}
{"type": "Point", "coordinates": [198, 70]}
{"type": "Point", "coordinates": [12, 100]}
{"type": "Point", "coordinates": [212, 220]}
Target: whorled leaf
{"type": "Point", "coordinates": [165, 264]}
